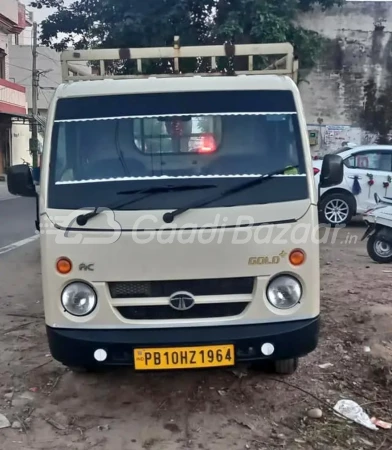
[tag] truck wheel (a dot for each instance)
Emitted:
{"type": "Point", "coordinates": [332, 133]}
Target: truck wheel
{"type": "Point", "coordinates": [336, 209]}
{"type": "Point", "coordinates": [286, 366]}
{"type": "Point", "coordinates": [379, 250]}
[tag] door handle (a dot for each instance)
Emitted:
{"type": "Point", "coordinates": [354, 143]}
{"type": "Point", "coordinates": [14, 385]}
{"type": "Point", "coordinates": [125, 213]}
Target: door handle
{"type": "Point", "coordinates": [353, 176]}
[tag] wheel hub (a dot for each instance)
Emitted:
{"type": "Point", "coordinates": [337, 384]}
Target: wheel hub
{"type": "Point", "coordinates": [383, 249]}
{"type": "Point", "coordinates": [336, 211]}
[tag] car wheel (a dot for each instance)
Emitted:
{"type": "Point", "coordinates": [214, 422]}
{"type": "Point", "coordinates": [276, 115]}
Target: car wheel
{"type": "Point", "coordinates": [336, 209]}
{"type": "Point", "coordinates": [379, 250]}
{"type": "Point", "coordinates": [286, 366]}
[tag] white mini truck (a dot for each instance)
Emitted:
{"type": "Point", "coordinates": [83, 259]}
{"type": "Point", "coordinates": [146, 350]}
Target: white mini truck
{"type": "Point", "coordinates": [171, 213]}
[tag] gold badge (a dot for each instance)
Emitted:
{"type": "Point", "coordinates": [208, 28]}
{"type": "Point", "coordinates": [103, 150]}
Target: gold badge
{"type": "Point", "coordinates": [266, 260]}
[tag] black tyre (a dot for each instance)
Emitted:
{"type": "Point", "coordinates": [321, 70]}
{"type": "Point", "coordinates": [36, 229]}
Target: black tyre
{"type": "Point", "coordinates": [337, 209]}
{"type": "Point", "coordinates": [286, 366]}
{"type": "Point", "coordinates": [84, 369]}
{"type": "Point", "coordinates": [379, 249]}
{"type": "Point", "coordinates": [281, 367]}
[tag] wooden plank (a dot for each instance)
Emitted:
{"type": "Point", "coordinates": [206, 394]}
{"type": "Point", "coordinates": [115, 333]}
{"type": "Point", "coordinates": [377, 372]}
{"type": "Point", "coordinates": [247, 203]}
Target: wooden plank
{"type": "Point", "coordinates": [170, 52]}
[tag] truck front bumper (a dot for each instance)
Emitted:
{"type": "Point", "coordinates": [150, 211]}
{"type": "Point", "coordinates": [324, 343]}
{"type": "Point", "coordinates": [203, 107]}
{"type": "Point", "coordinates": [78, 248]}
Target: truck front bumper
{"type": "Point", "coordinates": [76, 347]}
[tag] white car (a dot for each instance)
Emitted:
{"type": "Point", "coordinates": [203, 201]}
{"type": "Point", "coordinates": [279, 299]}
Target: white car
{"type": "Point", "coordinates": [367, 170]}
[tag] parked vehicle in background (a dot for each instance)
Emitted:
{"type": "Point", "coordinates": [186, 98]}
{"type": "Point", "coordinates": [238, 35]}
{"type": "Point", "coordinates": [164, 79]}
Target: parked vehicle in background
{"type": "Point", "coordinates": [367, 171]}
{"type": "Point", "coordinates": [379, 231]}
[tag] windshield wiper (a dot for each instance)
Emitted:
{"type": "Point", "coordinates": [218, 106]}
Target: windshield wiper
{"type": "Point", "coordinates": [84, 218]}
{"type": "Point", "coordinates": [169, 216]}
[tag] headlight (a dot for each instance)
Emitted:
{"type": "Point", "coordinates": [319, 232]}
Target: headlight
{"type": "Point", "coordinates": [284, 292]}
{"type": "Point", "coordinates": [79, 299]}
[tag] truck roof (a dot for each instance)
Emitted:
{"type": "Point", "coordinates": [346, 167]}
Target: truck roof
{"type": "Point", "coordinates": [174, 84]}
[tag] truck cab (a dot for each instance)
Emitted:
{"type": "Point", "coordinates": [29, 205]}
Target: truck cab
{"type": "Point", "coordinates": [179, 215]}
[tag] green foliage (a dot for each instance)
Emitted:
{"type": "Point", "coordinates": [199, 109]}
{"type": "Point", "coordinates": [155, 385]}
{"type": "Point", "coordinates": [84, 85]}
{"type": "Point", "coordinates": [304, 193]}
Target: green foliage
{"type": "Point", "coordinates": [250, 21]}
{"type": "Point", "coordinates": [144, 23]}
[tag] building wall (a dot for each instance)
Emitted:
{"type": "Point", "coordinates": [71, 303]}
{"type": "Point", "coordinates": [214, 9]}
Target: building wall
{"type": "Point", "coordinates": [347, 95]}
{"type": "Point", "coordinates": [24, 38]}
{"type": "Point", "coordinates": [48, 61]}
{"type": "Point", "coordinates": [4, 46]}
{"type": "Point", "coordinates": [20, 70]}
{"type": "Point", "coordinates": [14, 137]}
{"type": "Point", "coordinates": [10, 10]}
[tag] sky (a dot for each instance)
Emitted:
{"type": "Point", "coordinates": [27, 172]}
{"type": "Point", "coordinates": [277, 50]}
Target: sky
{"type": "Point", "coordinates": [40, 14]}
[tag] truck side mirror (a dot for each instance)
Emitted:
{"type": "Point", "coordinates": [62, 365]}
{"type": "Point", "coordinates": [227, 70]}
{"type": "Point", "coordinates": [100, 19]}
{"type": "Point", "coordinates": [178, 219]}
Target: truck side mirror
{"type": "Point", "coordinates": [20, 181]}
{"type": "Point", "coordinates": [332, 171]}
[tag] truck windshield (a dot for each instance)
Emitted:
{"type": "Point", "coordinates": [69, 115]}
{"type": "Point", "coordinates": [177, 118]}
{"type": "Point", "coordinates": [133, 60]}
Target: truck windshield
{"type": "Point", "coordinates": [179, 136]}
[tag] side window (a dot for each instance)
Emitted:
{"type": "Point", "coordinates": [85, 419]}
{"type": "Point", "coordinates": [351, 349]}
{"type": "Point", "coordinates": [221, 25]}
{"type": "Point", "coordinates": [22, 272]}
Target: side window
{"type": "Point", "coordinates": [371, 160]}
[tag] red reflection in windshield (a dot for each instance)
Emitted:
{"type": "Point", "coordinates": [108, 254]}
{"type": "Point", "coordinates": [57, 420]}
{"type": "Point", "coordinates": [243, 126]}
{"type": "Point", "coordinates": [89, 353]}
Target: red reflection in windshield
{"type": "Point", "coordinates": [207, 144]}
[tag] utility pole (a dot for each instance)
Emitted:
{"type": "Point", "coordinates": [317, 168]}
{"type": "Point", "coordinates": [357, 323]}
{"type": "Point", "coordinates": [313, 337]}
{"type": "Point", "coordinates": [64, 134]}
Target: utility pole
{"type": "Point", "coordinates": [35, 86]}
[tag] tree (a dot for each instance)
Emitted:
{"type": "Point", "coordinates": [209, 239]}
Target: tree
{"type": "Point", "coordinates": [144, 23]}
{"type": "Point", "coordinates": [250, 21]}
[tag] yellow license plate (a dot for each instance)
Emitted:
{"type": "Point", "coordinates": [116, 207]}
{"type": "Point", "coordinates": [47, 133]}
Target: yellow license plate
{"type": "Point", "coordinates": [184, 357]}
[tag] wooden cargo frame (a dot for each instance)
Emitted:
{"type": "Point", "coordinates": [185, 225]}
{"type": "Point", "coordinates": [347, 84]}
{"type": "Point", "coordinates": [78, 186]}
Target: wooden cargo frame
{"type": "Point", "coordinates": [286, 63]}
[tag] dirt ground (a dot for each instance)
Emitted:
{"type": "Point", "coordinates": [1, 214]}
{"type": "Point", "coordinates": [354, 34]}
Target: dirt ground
{"type": "Point", "coordinates": [208, 410]}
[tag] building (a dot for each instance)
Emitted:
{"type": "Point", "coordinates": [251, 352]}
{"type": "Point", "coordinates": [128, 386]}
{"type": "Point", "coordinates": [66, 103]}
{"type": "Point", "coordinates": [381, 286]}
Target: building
{"type": "Point", "coordinates": [13, 102]}
{"type": "Point", "coordinates": [48, 65]}
{"type": "Point", "coordinates": [50, 77]}
{"type": "Point", "coordinates": [347, 95]}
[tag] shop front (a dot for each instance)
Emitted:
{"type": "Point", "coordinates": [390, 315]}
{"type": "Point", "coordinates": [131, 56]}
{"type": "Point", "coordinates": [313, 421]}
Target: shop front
{"type": "Point", "coordinates": [13, 105]}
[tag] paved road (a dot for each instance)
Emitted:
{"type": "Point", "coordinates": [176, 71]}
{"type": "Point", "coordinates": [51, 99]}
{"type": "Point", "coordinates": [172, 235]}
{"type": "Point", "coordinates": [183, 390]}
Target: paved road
{"type": "Point", "coordinates": [4, 194]}
{"type": "Point", "coordinates": [17, 216]}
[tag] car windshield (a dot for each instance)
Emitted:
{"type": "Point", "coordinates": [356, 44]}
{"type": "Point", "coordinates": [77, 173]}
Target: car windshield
{"type": "Point", "coordinates": [177, 136]}
{"type": "Point", "coordinates": [341, 150]}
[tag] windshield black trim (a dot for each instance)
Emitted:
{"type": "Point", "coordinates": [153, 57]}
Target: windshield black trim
{"type": "Point", "coordinates": [175, 103]}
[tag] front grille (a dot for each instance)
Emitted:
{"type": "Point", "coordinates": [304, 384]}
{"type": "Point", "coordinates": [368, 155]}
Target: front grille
{"type": "Point", "coordinates": [199, 311]}
{"type": "Point", "coordinates": [144, 289]}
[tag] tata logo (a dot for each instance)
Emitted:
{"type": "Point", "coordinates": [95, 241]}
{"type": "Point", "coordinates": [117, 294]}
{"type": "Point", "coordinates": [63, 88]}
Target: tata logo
{"type": "Point", "coordinates": [182, 301]}
{"type": "Point", "coordinates": [86, 267]}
